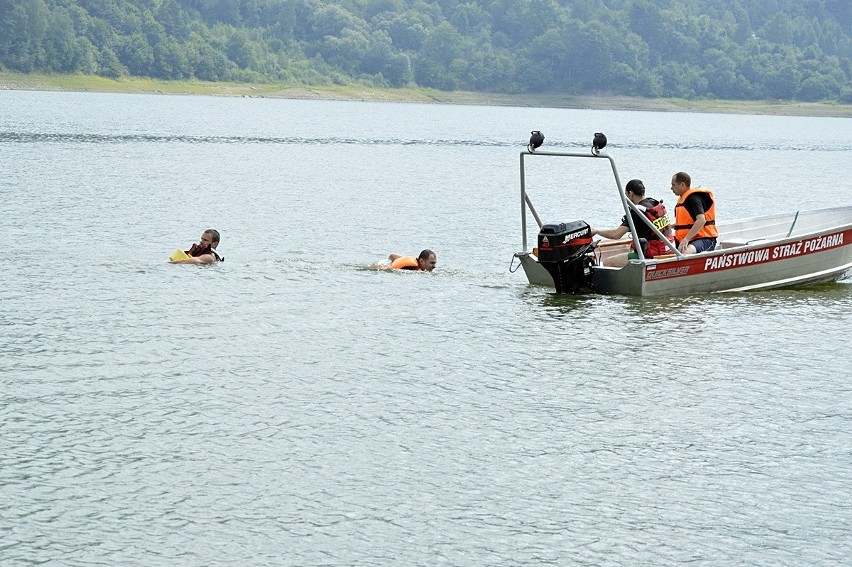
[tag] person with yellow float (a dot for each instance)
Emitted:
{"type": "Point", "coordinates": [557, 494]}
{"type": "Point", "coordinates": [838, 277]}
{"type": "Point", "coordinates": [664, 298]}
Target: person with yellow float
{"type": "Point", "coordinates": [204, 252]}
{"type": "Point", "coordinates": [425, 262]}
{"type": "Point", "coordinates": [695, 216]}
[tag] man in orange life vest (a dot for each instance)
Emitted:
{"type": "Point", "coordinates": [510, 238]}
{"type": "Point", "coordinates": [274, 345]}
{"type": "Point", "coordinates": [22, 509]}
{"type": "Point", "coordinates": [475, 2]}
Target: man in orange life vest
{"type": "Point", "coordinates": [205, 251]}
{"type": "Point", "coordinates": [695, 216]}
{"type": "Point", "coordinates": [425, 262]}
{"type": "Point", "coordinates": [656, 213]}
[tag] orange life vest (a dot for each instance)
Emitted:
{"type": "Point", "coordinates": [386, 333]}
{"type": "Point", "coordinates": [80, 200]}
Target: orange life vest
{"type": "Point", "coordinates": [405, 263]}
{"type": "Point", "coordinates": [684, 221]}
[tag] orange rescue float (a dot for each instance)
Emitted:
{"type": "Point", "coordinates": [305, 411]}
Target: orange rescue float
{"type": "Point", "coordinates": [405, 263]}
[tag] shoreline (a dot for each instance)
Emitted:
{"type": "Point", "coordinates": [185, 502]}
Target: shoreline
{"type": "Point", "coordinates": [134, 85]}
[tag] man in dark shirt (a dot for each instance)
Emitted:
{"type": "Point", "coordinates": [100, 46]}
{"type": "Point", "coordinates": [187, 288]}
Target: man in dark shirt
{"type": "Point", "coordinates": [635, 191]}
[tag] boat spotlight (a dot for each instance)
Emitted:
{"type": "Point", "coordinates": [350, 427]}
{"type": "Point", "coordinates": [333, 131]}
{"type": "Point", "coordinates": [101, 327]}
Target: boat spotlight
{"type": "Point", "coordinates": [598, 143]}
{"type": "Point", "coordinates": [536, 140]}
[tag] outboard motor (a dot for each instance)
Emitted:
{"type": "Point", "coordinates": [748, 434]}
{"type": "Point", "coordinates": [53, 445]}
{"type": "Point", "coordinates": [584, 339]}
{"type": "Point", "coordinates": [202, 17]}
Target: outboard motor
{"type": "Point", "coordinates": [562, 252]}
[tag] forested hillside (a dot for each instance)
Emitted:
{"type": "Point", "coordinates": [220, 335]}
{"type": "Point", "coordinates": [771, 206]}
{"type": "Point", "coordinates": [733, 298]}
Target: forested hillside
{"type": "Point", "coordinates": [731, 49]}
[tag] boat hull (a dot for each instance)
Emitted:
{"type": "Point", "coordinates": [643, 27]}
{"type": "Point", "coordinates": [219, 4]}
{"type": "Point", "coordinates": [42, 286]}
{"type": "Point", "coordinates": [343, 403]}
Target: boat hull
{"type": "Point", "coordinates": [801, 260]}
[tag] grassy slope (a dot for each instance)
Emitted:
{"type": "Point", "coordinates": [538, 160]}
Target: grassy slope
{"type": "Point", "coordinates": [83, 83]}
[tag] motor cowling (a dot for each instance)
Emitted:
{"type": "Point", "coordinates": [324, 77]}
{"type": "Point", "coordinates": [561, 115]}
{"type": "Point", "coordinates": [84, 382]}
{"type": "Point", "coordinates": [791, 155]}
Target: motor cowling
{"type": "Point", "coordinates": [562, 251]}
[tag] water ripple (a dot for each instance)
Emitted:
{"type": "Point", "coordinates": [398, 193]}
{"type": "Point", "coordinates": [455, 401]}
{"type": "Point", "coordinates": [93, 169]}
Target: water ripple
{"type": "Point", "coordinates": [296, 406]}
{"type": "Point", "coordinates": [572, 146]}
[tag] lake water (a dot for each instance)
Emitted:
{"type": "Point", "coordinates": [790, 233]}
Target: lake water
{"type": "Point", "coordinates": [293, 406]}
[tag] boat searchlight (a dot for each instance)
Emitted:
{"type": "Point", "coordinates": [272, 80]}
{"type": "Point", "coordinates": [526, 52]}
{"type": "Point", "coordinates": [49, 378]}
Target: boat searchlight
{"type": "Point", "coordinates": [598, 143]}
{"type": "Point", "coordinates": [536, 140]}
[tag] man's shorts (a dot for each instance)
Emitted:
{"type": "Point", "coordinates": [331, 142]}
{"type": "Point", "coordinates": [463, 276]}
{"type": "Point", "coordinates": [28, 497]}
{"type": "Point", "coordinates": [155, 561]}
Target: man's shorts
{"type": "Point", "coordinates": [703, 244]}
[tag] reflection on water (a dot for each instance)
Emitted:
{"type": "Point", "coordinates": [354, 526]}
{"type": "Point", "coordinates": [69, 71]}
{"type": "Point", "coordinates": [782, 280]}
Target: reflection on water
{"type": "Point", "coordinates": [541, 297]}
{"type": "Point", "coordinates": [832, 296]}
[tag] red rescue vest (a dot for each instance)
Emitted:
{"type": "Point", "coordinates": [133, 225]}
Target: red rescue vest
{"type": "Point", "coordinates": [659, 217]}
{"type": "Point", "coordinates": [195, 251]}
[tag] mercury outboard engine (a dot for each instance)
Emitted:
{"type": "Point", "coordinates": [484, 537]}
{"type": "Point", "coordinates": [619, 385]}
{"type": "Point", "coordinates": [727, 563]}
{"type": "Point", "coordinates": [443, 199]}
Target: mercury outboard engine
{"type": "Point", "coordinates": [562, 251]}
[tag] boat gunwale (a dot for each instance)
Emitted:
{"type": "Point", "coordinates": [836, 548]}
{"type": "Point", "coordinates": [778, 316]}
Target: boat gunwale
{"type": "Point", "coordinates": [755, 244]}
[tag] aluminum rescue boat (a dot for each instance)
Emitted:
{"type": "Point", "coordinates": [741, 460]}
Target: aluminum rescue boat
{"type": "Point", "coordinates": [783, 250]}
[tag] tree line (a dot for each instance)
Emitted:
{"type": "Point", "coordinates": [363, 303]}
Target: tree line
{"type": "Point", "coordinates": [729, 49]}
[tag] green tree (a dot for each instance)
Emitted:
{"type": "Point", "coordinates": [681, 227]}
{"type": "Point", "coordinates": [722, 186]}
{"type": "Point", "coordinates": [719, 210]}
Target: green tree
{"type": "Point", "coordinates": [682, 80]}
{"type": "Point", "coordinates": [779, 29]}
{"type": "Point", "coordinates": [109, 64]}
{"type": "Point", "coordinates": [818, 87]}
{"type": "Point", "coordinates": [646, 21]}
{"type": "Point", "coordinates": [443, 49]}
{"type": "Point", "coordinates": [136, 54]}
{"type": "Point", "coordinates": [206, 62]}
{"type": "Point", "coordinates": [345, 51]}
{"type": "Point", "coordinates": [171, 61]}
{"type": "Point", "coordinates": [23, 28]}
{"type": "Point", "coordinates": [712, 48]}
{"type": "Point", "coordinates": [60, 43]}
{"type": "Point", "coordinates": [174, 19]}
{"type": "Point", "coordinates": [469, 18]}
{"type": "Point", "coordinates": [780, 75]}
{"type": "Point", "coordinates": [407, 30]}
{"type": "Point", "coordinates": [723, 78]}
{"type": "Point", "coordinates": [240, 49]}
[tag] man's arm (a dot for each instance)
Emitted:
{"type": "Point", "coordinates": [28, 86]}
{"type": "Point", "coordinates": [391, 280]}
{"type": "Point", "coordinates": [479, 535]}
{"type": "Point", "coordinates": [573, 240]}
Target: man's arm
{"type": "Point", "coordinates": [612, 234]}
{"type": "Point", "coordinates": [203, 259]}
{"type": "Point", "coordinates": [696, 226]}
